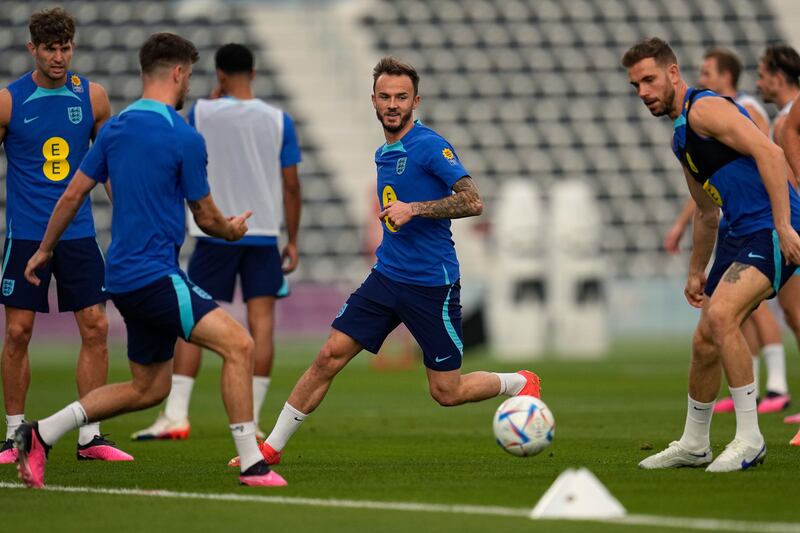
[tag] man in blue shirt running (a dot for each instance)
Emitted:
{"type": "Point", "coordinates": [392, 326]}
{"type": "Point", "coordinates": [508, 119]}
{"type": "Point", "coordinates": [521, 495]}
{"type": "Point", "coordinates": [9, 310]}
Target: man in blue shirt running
{"type": "Point", "coordinates": [156, 161]}
{"type": "Point", "coordinates": [421, 186]}
{"type": "Point", "coordinates": [731, 166]}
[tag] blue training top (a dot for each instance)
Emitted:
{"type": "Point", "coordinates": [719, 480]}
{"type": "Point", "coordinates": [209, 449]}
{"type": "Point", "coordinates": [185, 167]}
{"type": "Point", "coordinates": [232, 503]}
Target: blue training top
{"type": "Point", "coordinates": [731, 179]}
{"type": "Point", "coordinates": [155, 161]}
{"type": "Point", "coordinates": [46, 139]}
{"type": "Point", "coordinates": [420, 167]}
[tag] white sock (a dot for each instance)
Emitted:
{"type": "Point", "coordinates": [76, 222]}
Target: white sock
{"type": "Point", "coordinates": [288, 422]}
{"type": "Point", "coordinates": [12, 423]}
{"type": "Point", "coordinates": [87, 433]}
{"type": "Point", "coordinates": [698, 426]}
{"type": "Point", "coordinates": [260, 388]}
{"type": "Point", "coordinates": [244, 436]}
{"type": "Point", "coordinates": [756, 371]}
{"type": "Point", "coordinates": [744, 401]}
{"type": "Point", "coordinates": [53, 427]}
{"type": "Point", "coordinates": [775, 359]}
{"type": "Point", "coordinates": [510, 383]}
{"type": "Point", "coordinates": [177, 408]}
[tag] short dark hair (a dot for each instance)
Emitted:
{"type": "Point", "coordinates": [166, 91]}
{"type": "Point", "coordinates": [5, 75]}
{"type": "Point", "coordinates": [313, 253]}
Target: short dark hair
{"type": "Point", "coordinates": [234, 58]}
{"type": "Point", "coordinates": [782, 58]}
{"type": "Point", "coordinates": [395, 67]}
{"type": "Point", "coordinates": [166, 50]}
{"type": "Point", "coordinates": [50, 26]}
{"type": "Point", "coordinates": [654, 47]}
{"type": "Point", "coordinates": [727, 61]}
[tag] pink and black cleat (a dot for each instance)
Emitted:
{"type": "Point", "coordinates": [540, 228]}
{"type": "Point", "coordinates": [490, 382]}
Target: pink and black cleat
{"type": "Point", "coordinates": [532, 384]}
{"type": "Point", "coordinates": [270, 455]}
{"type": "Point", "coordinates": [724, 405]}
{"type": "Point", "coordinates": [774, 403]}
{"type": "Point", "coordinates": [101, 449]}
{"type": "Point", "coordinates": [32, 453]}
{"type": "Point", "coordinates": [260, 475]}
{"type": "Point", "coordinates": [8, 454]}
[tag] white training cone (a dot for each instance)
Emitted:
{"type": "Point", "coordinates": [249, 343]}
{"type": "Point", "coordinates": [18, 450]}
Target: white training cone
{"type": "Point", "coordinates": [577, 495]}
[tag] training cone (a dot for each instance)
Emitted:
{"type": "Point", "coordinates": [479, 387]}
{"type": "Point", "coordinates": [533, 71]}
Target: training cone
{"type": "Point", "coordinates": [577, 495]}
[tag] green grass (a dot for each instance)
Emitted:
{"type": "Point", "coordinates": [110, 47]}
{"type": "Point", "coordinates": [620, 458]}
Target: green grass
{"type": "Point", "coordinates": [379, 436]}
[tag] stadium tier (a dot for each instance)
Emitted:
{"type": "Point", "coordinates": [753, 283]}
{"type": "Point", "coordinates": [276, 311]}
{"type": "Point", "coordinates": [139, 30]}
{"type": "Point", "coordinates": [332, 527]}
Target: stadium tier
{"type": "Point", "coordinates": [534, 88]}
{"type": "Point", "coordinates": [109, 36]}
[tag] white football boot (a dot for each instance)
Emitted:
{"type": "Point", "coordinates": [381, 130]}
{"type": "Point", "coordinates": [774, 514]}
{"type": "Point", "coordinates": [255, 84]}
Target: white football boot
{"type": "Point", "coordinates": [676, 456]}
{"type": "Point", "coordinates": [164, 429]}
{"type": "Point", "coordinates": [738, 455]}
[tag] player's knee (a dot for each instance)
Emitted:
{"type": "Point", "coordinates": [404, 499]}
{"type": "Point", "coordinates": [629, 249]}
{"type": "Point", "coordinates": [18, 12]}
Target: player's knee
{"type": "Point", "coordinates": [328, 362]}
{"type": "Point", "coordinates": [95, 330]}
{"type": "Point", "coordinates": [792, 316]}
{"type": "Point", "coordinates": [445, 397]}
{"type": "Point", "coordinates": [720, 321]}
{"type": "Point", "coordinates": [241, 348]}
{"type": "Point", "coordinates": [18, 335]}
{"type": "Point", "coordinates": [152, 393]}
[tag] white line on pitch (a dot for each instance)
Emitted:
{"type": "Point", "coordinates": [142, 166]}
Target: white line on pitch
{"type": "Point", "coordinates": [708, 524]}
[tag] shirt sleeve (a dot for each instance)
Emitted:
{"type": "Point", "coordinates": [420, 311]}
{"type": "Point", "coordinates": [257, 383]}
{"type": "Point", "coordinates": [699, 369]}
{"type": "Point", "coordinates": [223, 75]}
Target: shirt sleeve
{"type": "Point", "coordinates": [194, 178]}
{"type": "Point", "coordinates": [443, 162]}
{"type": "Point", "coordinates": [95, 163]}
{"type": "Point", "coordinates": [290, 150]}
{"type": "Point", "coordinates": [190, 117]}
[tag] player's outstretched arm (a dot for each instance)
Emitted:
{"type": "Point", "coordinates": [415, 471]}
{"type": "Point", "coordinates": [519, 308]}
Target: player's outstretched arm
{"type": "Point", "coordinates": [717, 118]}
{"type": "Point", "coordinates": [704, 234]}
{"type": "Point", "coordinates": [5, 112]}
{"type": "Point", "coordinates": [211, 220]}
{"type": "Point", "coordinates": [791, 137]}
{"type": "Point", "coordinates": [65, 210]}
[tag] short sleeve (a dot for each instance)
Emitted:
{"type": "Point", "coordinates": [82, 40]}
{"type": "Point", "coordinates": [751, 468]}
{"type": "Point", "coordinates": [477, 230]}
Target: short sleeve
{"type": "Point", "coordinates": [194, 178]}
{"type": "Point", "coordinates": [443, 162]}
{"type": "Point", "coordinates": [290, 149]}
{"type": "Point", "coordinates": [95, 163]}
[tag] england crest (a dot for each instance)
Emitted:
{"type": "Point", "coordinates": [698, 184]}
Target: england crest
{"type": "Point", "coordinates": [8, 287]}
{"type": "Point", "coordinates": [75, 114]}
{"type": "Point", "coordinates": [401, 165]}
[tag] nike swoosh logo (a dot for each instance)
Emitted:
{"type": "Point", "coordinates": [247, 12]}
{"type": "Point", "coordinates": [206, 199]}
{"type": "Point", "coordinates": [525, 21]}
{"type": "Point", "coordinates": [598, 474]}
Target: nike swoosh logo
{"type": "Point", "coordinates": [751, 255]}
{"type": "Point", "coordinates": [746, 465]}
{"type": "Point", "coordinates": [701, 408]}
{"type": "Point", "coordinates": [750, 392]}
{"type": "Point", "coordinates": [103, 288]}
{"type": "Point", "coordinates": [440, 359]}
{"type": "Point", "coordinates": [698, 454]}
{"type": "Point", "coordinates": [298, 419]}
{"type": "Point", "coordinates": [26, 120]}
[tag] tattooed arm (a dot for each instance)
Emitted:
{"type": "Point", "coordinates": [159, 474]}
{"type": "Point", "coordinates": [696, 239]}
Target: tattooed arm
{"type": "Point", "coordinates": [464, 202]}
{"type": "Point", "coordinates": [209, 218]}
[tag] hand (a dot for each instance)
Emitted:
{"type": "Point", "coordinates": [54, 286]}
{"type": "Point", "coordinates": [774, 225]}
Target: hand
{"type": "Point", "coordinates": [673, 239]}
{"type": "Point", "coordinates": [290, 253]}
{"type": "Point", "coordinates": [37, 261]}
{"type": "Point", "coordinates": [790, 245]}
{"type": "Point", "coordinates": [397, 213]}
{"type": "Point", "coordinates": [695, 286]}
{"type": "Point", "coordinates": [238, 226]}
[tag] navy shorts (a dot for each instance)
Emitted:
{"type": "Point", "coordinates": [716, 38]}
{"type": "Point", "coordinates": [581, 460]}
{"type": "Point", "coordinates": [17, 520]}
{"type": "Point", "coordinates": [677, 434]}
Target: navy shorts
{"type": "Point", "coordinates": [77, 265]}
{"type": "Point", "coordinates": [431, 314]}
{"type": "Point", "coordinates": [214, 267]}
{"type": "Point", "coordinates": [760, 249]}
{"type": "Point", "coordinates": [157, 314]}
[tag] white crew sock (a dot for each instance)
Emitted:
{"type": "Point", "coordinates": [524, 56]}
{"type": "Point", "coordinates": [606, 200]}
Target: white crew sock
{"type": "Point", "coordinates": [260, 388]}
{"type": "Point", "coordinates": [53, 427]}
{"type": "Point", "coordinates": [744, 401]}
{"type": "Point", "coordinates": [12, 423]}
{"type": "Point", "coordinates": [244, 436]}
{"type": "Point", "coordinates": [177, 408]}
{"type": "Point", "coordinates": [698, 426]}
{"type": "Point", "coordinates": [87, 433]}
{"type": "Point", "coordinates": [775, 359]}
{"type": "Point", "coordinates": [510, 383]}
{"type": "Point", "coordinates": [756, 372]}
{"type": "Point", "coordinates": [288, 422]}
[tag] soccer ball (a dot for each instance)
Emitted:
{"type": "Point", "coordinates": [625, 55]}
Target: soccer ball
{"type": "Point", "coordinates": [524, 426]}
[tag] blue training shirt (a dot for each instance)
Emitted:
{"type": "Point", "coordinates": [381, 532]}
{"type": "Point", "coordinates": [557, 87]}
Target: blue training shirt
{"type": "Point", "coordinates": [731, 179]}
{"type": "Point", "coordinates": [155, 161]}
{"type": "Point", "coordinates": [420, 167]}
{"type": "Point", "coordinates": [46, 139]}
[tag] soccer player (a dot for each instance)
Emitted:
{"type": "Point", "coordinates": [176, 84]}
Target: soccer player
{"type": "Point", "coordinates": [252, 164]}
{"type": "Point", "coordinates": [791, 144]}
{"type": "Point", "coordinates": [47, 118]}
{"type": "Point", "coordinates": [422, 185]}
{"type": "Point", "coordinates": [720, 73]}
{"type": "Point", "coordinates": [156, 161]}
{"type": "Point", "coordinates": [728, 164]}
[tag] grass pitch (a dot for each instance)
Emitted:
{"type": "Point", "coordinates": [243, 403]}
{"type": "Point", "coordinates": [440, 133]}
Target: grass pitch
{"type": "Point", "coordinates": [379, 436]}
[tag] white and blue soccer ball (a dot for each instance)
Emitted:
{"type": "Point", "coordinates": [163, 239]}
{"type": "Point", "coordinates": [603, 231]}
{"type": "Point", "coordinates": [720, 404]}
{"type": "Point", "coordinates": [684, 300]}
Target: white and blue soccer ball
{"type": "Point", "coordinates": [524, 426]}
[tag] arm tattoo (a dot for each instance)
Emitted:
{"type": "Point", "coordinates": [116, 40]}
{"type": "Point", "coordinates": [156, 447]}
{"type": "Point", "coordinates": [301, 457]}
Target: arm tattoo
{"type": "Point", "coordinates": [733, 273]}
{"type": "Point", "coordinates": [465, 202]}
